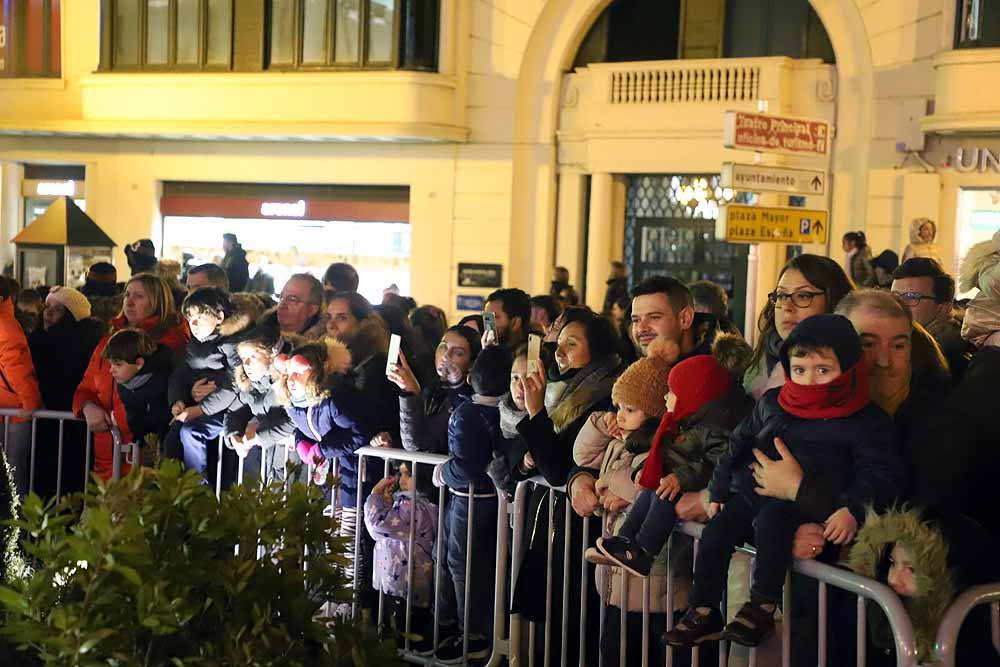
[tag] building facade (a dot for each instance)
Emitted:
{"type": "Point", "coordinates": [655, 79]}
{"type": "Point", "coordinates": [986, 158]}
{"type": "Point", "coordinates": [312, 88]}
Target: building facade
{"type": "Point", "coordinates": [518, 133]}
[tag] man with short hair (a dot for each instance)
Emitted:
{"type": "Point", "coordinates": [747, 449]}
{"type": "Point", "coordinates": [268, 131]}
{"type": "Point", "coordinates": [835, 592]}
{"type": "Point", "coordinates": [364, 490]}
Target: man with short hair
{"type": "Point", "coordinates": [929, 292]}
{"type": "Point", "coordinates": [662, 307]}
{"type": "Point", "coordinates": [207, 275]}
{"type": "Point", "coordinates": [341, 277]}
{"type": "Point", "coordinates": [299, 307]}
{"type": "Point", "coordinates": [235, 263]}
{"type": "Point", "coordinates": [512, 309]}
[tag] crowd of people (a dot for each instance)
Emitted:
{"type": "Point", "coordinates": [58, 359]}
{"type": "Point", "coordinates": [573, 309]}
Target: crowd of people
{"type": "Point", "coordinates": [855, 430]}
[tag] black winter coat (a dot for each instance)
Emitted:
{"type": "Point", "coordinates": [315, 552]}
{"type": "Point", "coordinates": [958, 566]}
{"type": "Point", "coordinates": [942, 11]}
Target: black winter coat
{"type": "Point", "coordinates": [473, 434]}
{"type": "Point", "coordinates": [145, 395]}
{"type": "Point", "coordinates": [237, 268]}
{"type": "Point", "coordinates": [857, 452]}
{"type": "Point", "coordinates": [423, 419]}
{"type": "Point", "coordinates": [60, 356]}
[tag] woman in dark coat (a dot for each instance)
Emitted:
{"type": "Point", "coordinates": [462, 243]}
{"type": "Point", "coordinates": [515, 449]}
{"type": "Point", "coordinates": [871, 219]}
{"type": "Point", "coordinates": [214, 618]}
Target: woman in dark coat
{"type": "Point", "coordinates": [60, 351]}
{"type": "Point", "coordinates": [559, 400]}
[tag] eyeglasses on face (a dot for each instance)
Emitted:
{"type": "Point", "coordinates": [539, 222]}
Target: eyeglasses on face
{"type": "Point", "coordinates": [913, 298]}
{"type": "Point", "coordinates": [800, 299]}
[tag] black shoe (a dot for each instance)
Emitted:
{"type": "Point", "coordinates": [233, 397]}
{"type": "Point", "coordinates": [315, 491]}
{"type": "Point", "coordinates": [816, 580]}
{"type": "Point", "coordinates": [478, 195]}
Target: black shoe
{"type": "Point", "coordinates": [425, 646]}
{"type": "Point", "coordinates": [752, 625]}
{"type": "Point", "coordinates": [627, 554]}
{"type": "Point", "coordinates": [695, 628]}
{"type": "Point", "coordinates": [451, 653]}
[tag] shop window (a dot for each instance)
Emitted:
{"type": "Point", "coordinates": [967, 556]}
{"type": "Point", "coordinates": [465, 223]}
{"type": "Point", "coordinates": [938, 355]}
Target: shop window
{"type": "Point", "coordinates": [156, 35]}
{"type": "Point", "coordinates": [367, 34]}
{"type": "Point", "coordinates": [30, 38]}
{"type": "Point", "coordinates": [977, 24]}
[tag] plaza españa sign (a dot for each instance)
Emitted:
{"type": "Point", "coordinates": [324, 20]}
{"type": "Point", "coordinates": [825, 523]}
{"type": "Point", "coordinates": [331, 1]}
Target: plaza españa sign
{"type": "Point", "coordinates": [752, 224]}
{"type": "Point", "coordinates": [761, 178]}
{"type": "Point", "coordinates": [776, 134]}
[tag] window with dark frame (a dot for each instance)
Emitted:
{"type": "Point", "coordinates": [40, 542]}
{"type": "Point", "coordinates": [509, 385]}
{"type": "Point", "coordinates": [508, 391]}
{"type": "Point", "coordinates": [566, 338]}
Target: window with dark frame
{"type": "Point", "coordinates": [30, 38]}
{"type": "Point", "coordinates": [169, 35]}
{"type": "Point", "coordinates": [977, 24]}
{"type": "Point", "coordinates": [334, 34]}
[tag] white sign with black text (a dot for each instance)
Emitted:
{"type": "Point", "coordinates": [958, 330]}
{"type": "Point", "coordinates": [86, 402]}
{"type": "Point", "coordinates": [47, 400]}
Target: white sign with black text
{"type": "Point", "coordinates": [761, 178]}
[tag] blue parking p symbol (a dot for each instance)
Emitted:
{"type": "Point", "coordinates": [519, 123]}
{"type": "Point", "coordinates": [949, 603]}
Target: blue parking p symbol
{"type": "Point", "coordinates": [804, 225]}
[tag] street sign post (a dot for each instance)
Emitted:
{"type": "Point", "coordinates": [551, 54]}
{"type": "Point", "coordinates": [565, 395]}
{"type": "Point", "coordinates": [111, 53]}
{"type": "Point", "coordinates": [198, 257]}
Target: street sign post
{"type": "Point", "coordinates": [776, 134]}
{"type": "Point", "coordinates": [761, 178]}
{"type": "Point", "coordinates": [752, 224]}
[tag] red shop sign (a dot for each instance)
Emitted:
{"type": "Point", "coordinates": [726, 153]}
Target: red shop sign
{"type": "Point", "coordinates": [776, 134]}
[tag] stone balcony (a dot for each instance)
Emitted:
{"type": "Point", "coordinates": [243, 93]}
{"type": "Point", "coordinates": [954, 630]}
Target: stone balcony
{"type": "Point", "coordinates": [964, 99]}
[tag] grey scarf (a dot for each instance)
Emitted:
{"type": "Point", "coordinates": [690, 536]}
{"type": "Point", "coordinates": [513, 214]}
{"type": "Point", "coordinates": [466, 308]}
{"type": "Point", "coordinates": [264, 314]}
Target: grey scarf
{"type": "Point", "coordinates": [510, 417]}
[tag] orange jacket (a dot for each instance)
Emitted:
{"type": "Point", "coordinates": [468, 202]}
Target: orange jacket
{"type": "Point", "coordinates": [99, 387]}
{"type": "Point", "coordinates": [18, 384]}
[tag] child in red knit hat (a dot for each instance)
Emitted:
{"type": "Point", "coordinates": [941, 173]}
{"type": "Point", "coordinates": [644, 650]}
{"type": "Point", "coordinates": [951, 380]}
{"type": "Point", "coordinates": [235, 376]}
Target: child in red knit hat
{"type": "Point", "coordinates": [704, 403]}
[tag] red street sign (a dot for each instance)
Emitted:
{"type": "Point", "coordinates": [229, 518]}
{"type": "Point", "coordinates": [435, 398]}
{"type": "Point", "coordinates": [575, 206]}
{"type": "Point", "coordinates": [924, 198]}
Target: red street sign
{"type": "Point", "coordinates": [776, 134]}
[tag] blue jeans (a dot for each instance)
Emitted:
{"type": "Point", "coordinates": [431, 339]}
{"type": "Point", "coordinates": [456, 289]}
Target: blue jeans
{"type": "Point", "coordinates": [649, 522]}
{"type": "Point", "coordinates": [482, 578]}
{"type": "Point", "coordinates": [196, 443]}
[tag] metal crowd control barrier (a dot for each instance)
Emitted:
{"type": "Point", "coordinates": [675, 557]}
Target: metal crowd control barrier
{"type": "Point", "coordinates": [951, 624]}
{"type": "Point", "coordinates": [22, 454]}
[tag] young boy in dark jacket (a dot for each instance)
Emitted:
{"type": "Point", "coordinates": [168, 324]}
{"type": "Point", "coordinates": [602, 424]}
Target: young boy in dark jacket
{"type": "Point", "coordinates": [215, 323]}
{"type": "Point", "coordinates": [824, 416]}
{"type": "Point", "coordinates": [473, 435]}
{"type": "Point", "coordinates": [141, 368]}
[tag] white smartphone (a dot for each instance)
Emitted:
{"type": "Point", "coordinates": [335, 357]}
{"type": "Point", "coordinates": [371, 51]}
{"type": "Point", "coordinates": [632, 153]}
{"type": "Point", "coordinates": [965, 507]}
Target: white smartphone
{"type": "Point", "coordinates": [534, 350]}
{"type": "Point", "coordinates": [393, 357]}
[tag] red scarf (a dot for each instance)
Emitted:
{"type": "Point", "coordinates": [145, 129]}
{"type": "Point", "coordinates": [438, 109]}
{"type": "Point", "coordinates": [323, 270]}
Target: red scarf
{"type": "Point", "coordinates": [695, 381]}
{"type": "Point", "coordinates": [847, 394]}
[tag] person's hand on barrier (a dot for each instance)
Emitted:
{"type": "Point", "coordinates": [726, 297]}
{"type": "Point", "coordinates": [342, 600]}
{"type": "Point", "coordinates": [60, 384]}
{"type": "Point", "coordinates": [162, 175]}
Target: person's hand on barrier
{"type": "Point", "coordinates": [201, 389]}
{"type": "Point", "coordinates": [613, 503]}
{"type": "Point", "coordinates": [242, 446]}
{"type": "Point", "coordinates": [809, 541]}
{"type": "Point", "coordinates": [177, 408]}
{"type": "Point", "coordinates": [97, 418]}
{"type": "Point", "coordinates": [403, 377]}
{"type": "Point", "coordinates": [534, 391]}
{"type": "Point", "coordinates": [777, 479]}
{"type": "Point", "coordinates": [189, 414]}
{"type": "Point", "coordinates": [250, 432]}
{"type": "Point", "coordinates": [583, 496]}
{"type": "Point", "coordinates": [611, 425]}
{"type": "Point", "coordinates": [383, 440]}
{"type": "Point", "coordinates": [840, 527]}
{"type": "Point", "coordinates": [714, 508]}
{"type": "Point", "coordinates": [669, 488]}
{"type": "Point", "coordinates": [691, 506]}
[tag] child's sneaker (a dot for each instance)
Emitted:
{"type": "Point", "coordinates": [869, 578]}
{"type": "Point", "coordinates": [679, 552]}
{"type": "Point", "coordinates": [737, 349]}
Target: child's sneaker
{"type": "Point", "coordinates": [451, 653]}
{"type": "Point", "coordinates": [625, 553]}
{"type": "Point", "coordinates": [695, 628]}
{"type": "Point", "coordinates": [425, 647]}
{"type": "Point", "coordinates": [594, 555]}
{"type": "Point", "coordinates": [752, 624]}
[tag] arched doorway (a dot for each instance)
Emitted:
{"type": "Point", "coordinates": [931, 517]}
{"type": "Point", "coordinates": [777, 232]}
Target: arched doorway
{"type": "Point", "coordinates": [559, 31]}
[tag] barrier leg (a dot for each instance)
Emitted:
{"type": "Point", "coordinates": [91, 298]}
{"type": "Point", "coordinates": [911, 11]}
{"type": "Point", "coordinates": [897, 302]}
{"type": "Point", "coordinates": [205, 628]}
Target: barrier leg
{"type": "Point", "coordinates": [564, 653]}
{"type": "Point", "coordinates": [34, 437]}
{"type": "Point", "coordinates": [821, 640]}
{"type": "Point", "coordinates": [59, 460]}
{"type": "Point", "coordinates": [548, 580]}
{"type": "Point", "coordinates": [862, 632]}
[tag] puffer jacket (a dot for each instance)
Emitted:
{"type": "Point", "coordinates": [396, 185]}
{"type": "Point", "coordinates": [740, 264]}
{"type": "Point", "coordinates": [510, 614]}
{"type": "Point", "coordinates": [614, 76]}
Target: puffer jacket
{"type": "Point", "coordinates": [389, 525]}
{"type": "Point", "coordinates": [423, 418]}
{"type": "Point", "coordinates": [473, 434]}
{"type": "Point", "coordinates": [857, 453]}
{"type": "Point", "coordinates": [214, 359]}
{"type": "Point", "coordinates": [338, 425]}
{"type": "Point", "coordinates": [917, 246]}
{"type": "Point", "coordinates": [18, 383]}
{"type": "Point", "coordinates": [595, 448]}
{"type": "Point", "coordinates": [98, 387]}
{"type": "Point", "coordinates": [257, 400]}
{"type": "Point", "coordinates": [145, 395]}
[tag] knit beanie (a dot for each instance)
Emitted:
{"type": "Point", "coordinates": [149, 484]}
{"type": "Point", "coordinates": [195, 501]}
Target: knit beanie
{"type": "Point", "coordinates": [70, 299]}
{"type": "Point", "coordinates": [644, 384]}
{"type": "Point", "coordinates": [825, 330]}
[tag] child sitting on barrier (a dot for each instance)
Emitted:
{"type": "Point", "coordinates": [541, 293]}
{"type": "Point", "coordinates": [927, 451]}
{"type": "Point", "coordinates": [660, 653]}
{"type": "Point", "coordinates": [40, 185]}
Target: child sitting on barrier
{"type": "Point", "coordinates": [704, 403]}
{"type": "Point", "coordinates": [141, 369]}
{"type": "Point", "coordinates": [823, 414]}
{"type": "Point", "coordinates": [473, 434]}
{"type": "Point", "coordinates": [393, 505]}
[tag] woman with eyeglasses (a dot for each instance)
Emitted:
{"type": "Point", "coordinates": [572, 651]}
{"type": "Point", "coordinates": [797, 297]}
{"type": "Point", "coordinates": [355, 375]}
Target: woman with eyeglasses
{"type": "Point", "coordinates": [808, 285]}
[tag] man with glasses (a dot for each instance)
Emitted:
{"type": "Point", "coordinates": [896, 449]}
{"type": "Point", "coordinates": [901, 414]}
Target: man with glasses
{"type": "Point", "coordinates": [929, 292]}
{"type": "Point", "coordinates": [299, 307]}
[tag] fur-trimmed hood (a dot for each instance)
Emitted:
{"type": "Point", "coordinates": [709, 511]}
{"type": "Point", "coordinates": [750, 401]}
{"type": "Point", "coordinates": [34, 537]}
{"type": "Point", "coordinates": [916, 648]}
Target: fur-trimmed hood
{"type": "Point", "coordinates": [926, 544]}
{"type": "Point", "coordinates": [247, 309]}
{"type": "Point", "coordinates": [915, 226]}
{"type": "Point", "coordinates": [369, 339]}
